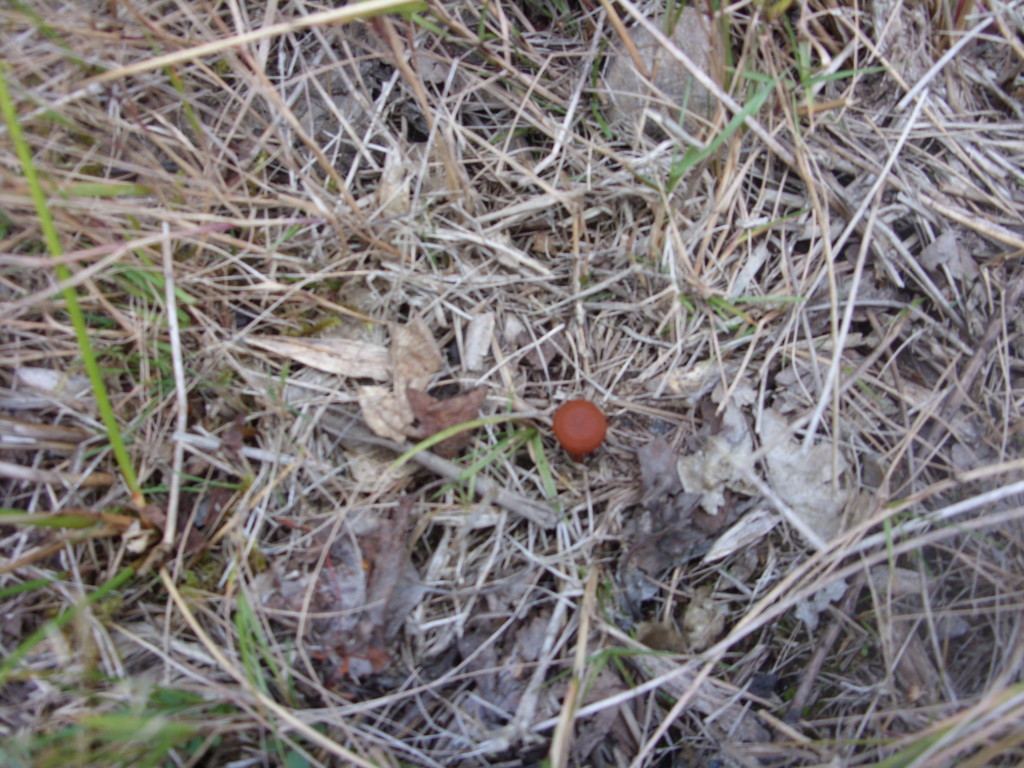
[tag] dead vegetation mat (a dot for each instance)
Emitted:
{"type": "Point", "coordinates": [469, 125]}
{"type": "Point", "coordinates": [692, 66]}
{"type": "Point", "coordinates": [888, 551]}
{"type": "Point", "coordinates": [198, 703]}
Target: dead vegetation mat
{"type": "Point", "coordinates": [779, 245]}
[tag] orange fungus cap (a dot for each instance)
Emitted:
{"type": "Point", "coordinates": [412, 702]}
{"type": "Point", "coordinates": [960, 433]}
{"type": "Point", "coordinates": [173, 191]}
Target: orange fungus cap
{"type": "Point", "coordinates": [580, 427]}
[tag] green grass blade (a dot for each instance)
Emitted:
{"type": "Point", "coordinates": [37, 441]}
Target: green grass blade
{"type": "Point", "coordinates": [59, 621]}
{"type": "Point", "coordinates": [18, 517]}
{"type": "Point", "coordinates": [444, 434]}
{"type": "Point", "coordinates": [694, 156]}
{"type": "Point", "coordinates": [53, 245]}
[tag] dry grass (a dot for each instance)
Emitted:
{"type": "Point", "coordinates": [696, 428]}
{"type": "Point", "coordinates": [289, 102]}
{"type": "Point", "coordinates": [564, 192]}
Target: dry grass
{"type": "Point", "coordinates": [844, 257]}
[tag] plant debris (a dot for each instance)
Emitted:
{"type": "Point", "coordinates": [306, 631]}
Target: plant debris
{"type": "Point", "coordinates": [250, 252]}
{"type": "Point", "coordinates": [438, 414]}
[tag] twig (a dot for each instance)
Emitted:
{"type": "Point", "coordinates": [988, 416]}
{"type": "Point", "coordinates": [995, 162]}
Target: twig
{"type": "Point", "coordinates": [351, 433]}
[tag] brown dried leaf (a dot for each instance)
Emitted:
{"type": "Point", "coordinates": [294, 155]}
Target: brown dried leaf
{"type": "Point", "coordinates": [415, 356]}
{"type": "Point", "coordinates": [665, 535]}
{"type": "Point", "coordinates": [479, 335]}
{"type": "Point", "coordinates": [750, 529]}
{"type": "Point", "coordinates": [156, 517]}
{"type": "Point", "coordinates": [385, 413]}
{"type": "Point", "coordinates": [606, 727]}
{"type": "Point", "coordinates": [660, 636]}
{"type": "Point", "coordinates": [659, 478]}
{"type": "Point", "coordinates": [393, 186]}
{"type": "Point", "coordinates": [704, 619]}
{"type": "Point", "coordinates": [72, 389]}
{"type": "Point", "coordinates": [722, 462]}
{"type": "Point", "coordinates": [803, 476]}
{"type": "Point", "coordinates": [393, 584]}
{"type": "Point", "coordinates": [945, 251]}
{"type": "Point", "coordinates": [343, 357]}
{"type": "Point", "coordinates": [359, 599]}
{"type": "Point", "coordinates": [338, 589]}
{"type": "Point", "coordinates": [435, 415]}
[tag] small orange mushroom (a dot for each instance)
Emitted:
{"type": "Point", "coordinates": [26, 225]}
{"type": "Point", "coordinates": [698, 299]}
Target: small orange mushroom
{"type": "Point", "coordinates": [580, 427]}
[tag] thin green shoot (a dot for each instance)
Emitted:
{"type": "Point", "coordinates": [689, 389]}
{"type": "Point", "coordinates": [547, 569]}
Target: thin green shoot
{"type": "Point", "coordinates": [428, 24]}
{"type": "Point", "coordinates": [752, 233]}
{"type": "Point", "coordinates": [250, 640]}
{"type": "Point", "coordinates": [768, 299]}
{"type": "Point", "coordinates": [908, 755]}
{"type": "Point", "coordinates": [56, 250]}
{"type": "Point", "coordinates": [726, 309]}
{"type": "Point", "coordinates": [444, 434]}
{"type": "Point", "coordinates": [506, 445]}
{"type": "Point", "coordinates": [141, 740]}
{"type": "Point", "coordinates": [694, 156]}
{"type": "Point", "coordinates": [179, 86]}
{"type": "Point", "coordinates": [540, 460]}
{"type": "Point", "coordinates": [29, 586]}
{"type": "Point", "coordinates": [103, 190]}
{"type": "Point", "coordinates": [529, 436]}
{"type": "Point", "coordinates": [842, 74]}
{"type": "Point", "coordinates": [60, 621]}
{"type": "Point", "coordinates": [42, 520]}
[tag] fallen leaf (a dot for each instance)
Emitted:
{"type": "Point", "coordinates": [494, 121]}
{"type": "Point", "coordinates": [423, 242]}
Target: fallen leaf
{"type": "Point", "coordinates": [659, 478]}
{"type": "Point", "coordinates": [479, 334]}
{"type": "Point", "coordinates": [659, 636]}
{"type": "Point", "coordinates": [945, 252]}
{"type": "Point", "coordinates": [393, 584]}
{"type": "Point", "coordinates": [750, 529]}
{"type": "Point", "coordinates": [73, 389]}
{"type": "Point", "coordinates": [665, 535]}
{"type": "Point", "coordinates": [415, 356]}
{"type": "Point", "coordinates": [518, 337]}
{"type": "Point", "coordinates": [435, 415]}
{"type": "Point", "coordinates": [703, 619]}
{"type": "Point", "coordinates": [156, 517]}
{"type": "Point", "coordinates": [808, 611]}
{"type": "Point", "coordinates": [393, 185]}
{"type": "Point", "coordinates": [722, 461]}
{"type": "Point", "coordinates": [690, 382]}
{"type": "Point", "coordinates": [386, 414]}
{"type": "Point", "coordinates": [803, 477]}
{"type": "Point", "coordinates": [343, 357]}
{"type": "Point", "coordinates": [608, 727]}
{"type": "Point", "coordinates": [360, 597]}
{"type": "Point", "coordinates": [138, 539]}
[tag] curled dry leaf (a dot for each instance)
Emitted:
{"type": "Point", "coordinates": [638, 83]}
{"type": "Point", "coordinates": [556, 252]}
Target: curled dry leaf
{"type": "Point", "coordinates": [357, 602]}
{"type": "Point", "coordinates": [722, 462]}
{"type": "Point", "coordinates": [691, 382]}
{"type": "Point", "coordinates": [608, 727]}
{"type": "Point", "coordinates": [659, 479]}
{"type": "Point", "coordinates": [343, 357]}
{"type": "Point", "coordinates": [415, 356]}
{"type": "Point", "coordinates": [666, 536]}
{"type": "Point", "coordinates": [435, 415]}
{"type": "Point", "coordinates": [803, 477]}
{"type": "Point", "coordinates": [385, 413]}
{"type": "Point", "coordinates": [750, 529]}
{"type": "Point", "coordinates": [71, 389]}
{"type": "Point", "coordinates": [393, 186]}
{"type": "Point", "coordinates": [393, 585]}
{"type": "Point", "coordinates": [663, 84]}
{"type": "Point", "coordinates": [479, 335]}
{"type": "Point", "coordinates": [945, 252]}
{"type": "Point", "coordinates": [808, 611]}
{"type": "Point", "coordinates": [157, 518]}
{"type": "Point", "coordinates": [704, 619]}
